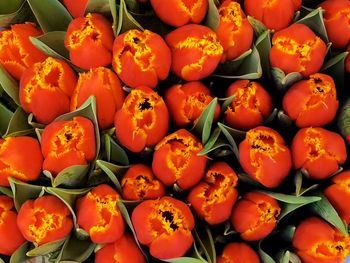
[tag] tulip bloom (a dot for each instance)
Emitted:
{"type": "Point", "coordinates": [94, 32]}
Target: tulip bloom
{"type": "Point", "coordinates": [10, 236]}
{"type": "Point", "coordinates": [165, 226]}
{"type": "Point", "coordinates": [238, 253]}
{"type": "Point", "coordinates": [196, 51]}
{"type": "Point", "coordinates": [316, 241]}
{"type": "Point", "coordinates": [250, 106]}
{"type": "Point", "coordinates": [45, 219]}
{"type": "Point", "coordinates": [297, 49]}
{"type": "Point", "coordinates": [20, 158]}
{"type": "Point", "coordinates": [255, 216]}
{"type": "Point", "coordinates": [186, 102]}
{"type": "Point", "coordinates": [214, 197]}
{"type": "Point", "coordinates": [312, 102]}
{"type": "Point", "coordinates": [17, 53]}
{"type": "Point", "coordinates": [46, 89]}
{"type": "Point", "coordinates": [107, 89]}
{"type": "Point", "coordinates": [318, 151]}
{"type": "Point", "coordinates": [143, 119]}
{"type": "Point", "coordinates": [141, 58]}
{"type": "Point", "coordinates": [175, 160]}
{"type": "Point", "coordinates": [98, 214]}
{"type": "Point", "coordinates": [67, 143]}
{"type": "Point", "coordinates": [336, 20]}
{"type": "Point", "coordinates": [234, 31]}
{"type": "Point", "coordinates": [264, 156]}
{"type": "Point", "coordinates": [89, 41]}
{"type": "Point", "coordinates": [76, 7]}
{"type": "Point", "coordinates": [124, 250]}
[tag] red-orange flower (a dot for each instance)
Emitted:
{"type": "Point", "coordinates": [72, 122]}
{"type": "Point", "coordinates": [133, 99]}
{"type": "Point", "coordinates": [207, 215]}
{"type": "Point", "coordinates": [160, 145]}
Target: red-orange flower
{"type": "Point", "coordinates": [238, 253]}
{"type": "Point", "coordinates": [67, 143]}
{"type": "Point", "coordinates": [312, 102]}
{"type": "Point", "coordinates": [165, 226]}
{"type": "Point", "coordinates": [45, 219]}
{"type": "Point", "coordinates": [143, 119]}
{"type": "Point", "coordinates": [10, 236]}
{"type": "Point", "coordinates": [213, 198]}
{"type": "Point", "coordinates": [196, 51]}
{"type": "Point", "coordinates": [20, 158]}
{"type": "Point", "coordinates": [98, 214]}
{"type": "Point", "coordinates": [255, 216]}
{"type": "Point", "coordinates": [124, 250]}
{"type": "Point", "coordinates": [141, 58]}
{"type": "Point", "coordinates": [316, 241]}
{"type": "Point", "coordinates": [139, 183]}
{"type": "Point", "coordinates": [297, 49]}
{"type": "Point", "coordinates": [46, 89]}
{"type": "Point", "coordinates": [186, 102]}
{"type": "Point", "coordinates": [175, 160]}
{"type": "Point", "coordinates": [318, 151]}
{"type": "Point", "coordinates": [17, 53]}
{"type": "Point", "coordinates": [250, 106]}
{"type": "Point", "coordinates": [264, 156]}
{"type": "Point", "coordinates": [234, 31]}
{"type": "Point", "coordinates": [76, 7]}
{"type": "Point", "coordinates": [89, 41]}
{"type": "Point", "coordinates": [106, 87]}
{"type": "Point", "coordinates": [178, 13]}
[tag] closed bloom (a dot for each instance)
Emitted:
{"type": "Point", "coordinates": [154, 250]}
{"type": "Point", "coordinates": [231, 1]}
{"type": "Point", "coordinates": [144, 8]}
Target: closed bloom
{"type": "Point", "coordinates": [238, 252]}
{"type": "Point", "coordinates": [76, 7]}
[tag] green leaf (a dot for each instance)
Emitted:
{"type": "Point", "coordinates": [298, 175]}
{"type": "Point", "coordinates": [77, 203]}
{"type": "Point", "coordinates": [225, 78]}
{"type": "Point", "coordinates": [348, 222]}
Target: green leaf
{"type": "Point", "coordinates": [98, 6]}
{"type": "Point", "coordinates": [226, 103]}
{"type": "Point", "coordinates": [286, 256]}
{"type": "Point", "coordinates": [76, 250]}
{"type": "Point", "coordinates": [113, 7]}
{"type": "Point", "coordinates": [292, 199]}
{"type": "Point", "coordinates": [6, 191]}
{"type": "Point", "coordinates": [263, 45]}
{"type": "Point", "coordinates": [283, 81]}
{"type": "Point", "coordinates": [19, 256]}
{"type": "Point", "coordinates": [271, 117]}
{"type": "Point", "coordinates": [208, 147]}
{"type": "Point", "coordinates": [13, 12]}
{"type": "Point", "coordinates": [10, 6]}
{"type": "Point", "coordinates": [114, 152]}
{"type": "Point", "coordinates": [72, 176]}
{"type": "Point", "coordinates": [283, 119]}
{"type": "Point", "coordinates": [248, 180]}
{"type": "Point", "coordinates": [212, 19]}
{"type": "Point", "coordinates": [287, 233]}
{"type": "Point", "coordinates": [9, 85]}
{"type": "Point", "coordinates": [298, 181]}
{"type": "Point", "coordinates": [205, 241]}
{"type": "Point", "coordinates": [5, 118]}
{"type": "Point", "coordinates": [50, 14]}
{"type": "Point", "coordinates": [265, 258]}
{"type": "Point", "coordinates": [18, 125]}
{"type": "Point", "coordinates": [126, 21]}
{"type": "Point", "coordinates": [258, 26]}
{"type": "Point", "coordinates": [113, 171]}
{"type": "Point", "coordinates": [343, 121]}
{"type": "Point", "coordinates": [232, 66]}
{"type": "Point", "coordinates": [184, 260]}
{"type": "Point", "coordinates": [232, 135]}
{"type": "Point", "coordinates": [46, 248]}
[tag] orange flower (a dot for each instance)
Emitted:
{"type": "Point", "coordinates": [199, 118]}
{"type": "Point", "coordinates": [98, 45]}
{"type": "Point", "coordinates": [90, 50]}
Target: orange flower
{"type": "Point", "coordinates": [99, 215]}
{"type": "Point", "coordinates": [124, 250]}
{"type": "Point", "coordinates": [234, 31]}
{"type": "Point", "coordinates": [196, 51]}
{"type": "Point", "coordinates": [20, 158]}
{"type": "Point", "coordinates": [297, 49]}
{"type": "Point", "coordinates": [141, 58]}
{"type": "Point", "coordinates": [46, 88]}
{"type": "Point", "coordinates": [76, 7]}
{"type": "Point", "coordinates": [312, 102]}
{"type": "Point", "coordinates": [45, 219]}
{"type": "Point", "coordinates": [17, 53]}
{"type": "Point", "coordinates": [186, 102]}
{"type": "Point", "coordinates": [165, 226]}
{"type": "Point", "coordinates": [238, 253]}
{"type": "Point", "coordinates": [67, 143]}
{"type": "Point", "coordinates": [250, 106]}
{"type": "Point", "coordinates": [318, 242]}
{"type": "Point", "coordinates": [178, 13]}
{"type": "Point", "coordinates": [255, 216]}
{"type": "Point", "coordinates": [264, 156]}
{"type": "Point", "coordinates": [336, 20]}
{"type": "Point", "coordinates": [89, 41]}
{"type": "Point", "coordinates": [107, 89]}
{"type": "Point", "coordinates": [139, 183]}
{"type": "Point", "coordinates": [318, 151]}
{"type": "Point", "coordinates": [213, 198]}
{"type": "Point", "coordinates": [175, 160]}
{"type": "Point", "coordinates": [143, 119]}
{"type": "Point", "coordinates": [10, 236]}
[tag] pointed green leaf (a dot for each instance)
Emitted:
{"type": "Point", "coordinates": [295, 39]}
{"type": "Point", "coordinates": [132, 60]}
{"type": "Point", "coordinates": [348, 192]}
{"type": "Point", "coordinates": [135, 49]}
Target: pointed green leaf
{"type": "Point", "coordinates": [9, 85]}
{"type": "Point", "coordinates": [46, 248]}
{"type": "Point", "coordinates": [205, 241]}
{"type": "Point", "coordinates": [258, 26]}
{"type": "Point", "coordinates": [271, 117]}
{"type": "Point", "coordinates": [212, 19]}
{"type": "Point", "coordinates": [126, 21]}
{"type": "Point", "coordinates": [72, 176]}
{"type": "Point", "coordinates": [33, 123]}
{"type": "Point", "coordinates": [287, 233]}
{"type": "Point", "coordinates": [18, 125]}
{"type": "Point", "coordinates": [113, 171]}
{"type": "Point", "coordinates": [232, 135]}
{"type": "Point", "coordinates": [113, 7]}
{"type": "Point", "coordinates": [210, 143]}
{"type": "Point", "coordinates": [263, 45]}
{"type": "Point", "coordinates": [248, 180]}
{"type": "Point", "coordinates": [292, 199]}
{"type": "Point", "coordinates": [299, 189]}
{"type": "Point", "coordinates": [335, 67]}
{"type": "Point", "coordinates": [226, 103]}
{"type": "Point", "coordinates": [98, 6]}
{"type": "Point", "coordinates": [231, 66]}
{"type": "Point", "coordinates": [19, 256]}
{"type": "Point", "coordinates": [6, 191]}
{"type": "Point", "coordinates": [283, 119]}
{"type": "Point", "coordinates": [76, 250]}
{"type": "Point", "coordinates": [13, 12]}
{"type": "Point", "coordinates": [114, 152]}
{"type": "Point", "coordinates": [284, 81]}
{"type": "Point", "coordinates": [184, 260]}
{"type": "Point", "coordinates": [5, 118]}
{"type": "Point", "coordinates": [286, 256]}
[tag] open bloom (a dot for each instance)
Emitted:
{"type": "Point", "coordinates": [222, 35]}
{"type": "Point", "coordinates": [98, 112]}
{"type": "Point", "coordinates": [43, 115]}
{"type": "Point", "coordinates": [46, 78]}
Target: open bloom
{"type": "Point", "coordinates": [143, 119]}
{"type": "Point", "coordinates": [238, 252]}
{"type": "Point", "coordinates": [297, 49]}
{"type": "Point", "coordinates": [312, 102]}
{"type": "Point", "coordinates": [255, 216]}
{"type": "Point", "coordinates": [196, 51]}
{"type": "Point", "coordinates": [17, 53]}
{"type": "Point", "coordinates": [20, 158]}
{"type": "Point", "coordinates": [318, 151]}
{"type": "Point", "coordinates": [98, 214]}
{"type": "Point", "coordinates": [165, 226]}
{"type": "Point", "coordinates": [141, 58]}
{"type": "Point", "coordinates": [264, 156]}
{"type": "Point", "coordinates": [67, 143]}
{"type": "Point", "coordinates": [316, 241]}
{"type": "Point", "coordinates": [175, 160]}
{"type": "Point", "coordinates": [89, 41]}
{"type": "Point", "coordinates": [45, 219]}
{"type": "Point", "coordinates": [214, 197]}
{"type": "Point", "coordinates": [76, 7]}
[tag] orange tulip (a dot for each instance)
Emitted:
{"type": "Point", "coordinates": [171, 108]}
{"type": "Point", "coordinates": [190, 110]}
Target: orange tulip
{"type": "Point", "coordinates": [76, 7]}
{"type": "Point", "coordinates": [238, 253]}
